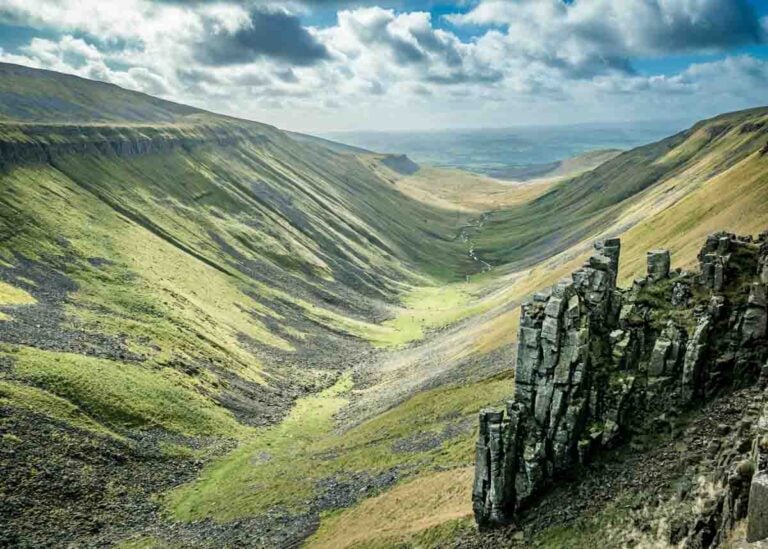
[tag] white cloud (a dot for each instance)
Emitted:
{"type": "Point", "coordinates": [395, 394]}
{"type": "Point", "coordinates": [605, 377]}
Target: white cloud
{"type": "Point", "coordinates": [588, 37]}
{"type": "Point", "coordinates": [532, 60]}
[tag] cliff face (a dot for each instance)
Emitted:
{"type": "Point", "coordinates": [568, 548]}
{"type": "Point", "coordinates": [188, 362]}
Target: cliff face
{"type": "Point", "coordinates": [597, 363]}
{"type": "Point", "coordinates": [25, 144]}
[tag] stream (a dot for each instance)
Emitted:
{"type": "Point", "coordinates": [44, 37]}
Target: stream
{"type": "Point", "coordinates": [465, 234]}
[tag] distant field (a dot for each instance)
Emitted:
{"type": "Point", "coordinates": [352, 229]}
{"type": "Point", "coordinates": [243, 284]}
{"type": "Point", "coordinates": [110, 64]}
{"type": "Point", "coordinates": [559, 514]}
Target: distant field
{"type": "Point", "coordinates": [509, 152]}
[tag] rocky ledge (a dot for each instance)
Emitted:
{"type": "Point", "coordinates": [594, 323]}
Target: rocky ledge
{"type": "Point", "coordinates": [39, 143]}
{"type": "Point", "coordinates": [597, 364]}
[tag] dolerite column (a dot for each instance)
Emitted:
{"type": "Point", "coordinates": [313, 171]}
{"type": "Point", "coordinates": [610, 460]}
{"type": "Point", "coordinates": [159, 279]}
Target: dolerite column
{"type": "Point", "coordinates": [611, 249]}
{"type": "Point", "coordinates": [694, 358]}
{"type": "Point", "coordinates": [514, 438]}
{"type": "Point", "coordinates": [659, 263]}
{"type": "Point", "coordinates": [496, 451]}
{"type": "Point", "coordinates": [482, 472]}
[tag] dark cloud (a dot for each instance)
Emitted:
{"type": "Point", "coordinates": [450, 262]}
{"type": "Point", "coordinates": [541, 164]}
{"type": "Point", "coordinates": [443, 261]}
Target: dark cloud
{"type": "Point", "coordinates": [287, 76]}
{"type": "Point", "coordinates": [377, 32]}
{"type": "Point", "coordinates": [430, 41]}
{"type": "Point", "coordinates": [585, 39]}
{"type": "Point", "coordinates": [720, 24]}
{"type": "Point", "coordinates": [674, 27]}
{"type": "Point", "coordinates": [274, 34]}
{"type": "Point", "coordinates": [590, 66]}
{"type": "Point", "coordinates": [416, 44]}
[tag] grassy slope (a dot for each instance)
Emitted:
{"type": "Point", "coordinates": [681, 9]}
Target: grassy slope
{"type": "Point", "coordinates": [208, 246]}
{"type": "Point", "coordinates": [44, 96]}
{"type": "Point", "coordinates": [463, 191]}
{"type": "Point", "coordinates": [582, 206]}
{"type": "Point", "coordinates": [304, 449]}
{"type": "Point", "coordinates": [228, 264]}
{"type": "Point", "coordinates": [220, 253]}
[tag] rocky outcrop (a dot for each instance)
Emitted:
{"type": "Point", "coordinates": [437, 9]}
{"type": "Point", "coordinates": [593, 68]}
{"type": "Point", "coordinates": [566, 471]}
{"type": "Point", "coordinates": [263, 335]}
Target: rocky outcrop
{"type": "Point", "coordinates": [757, 524]}
{"type": "Point", "coordinates": [596, 364]}
{"type": "Point", "coordinates": [42, 143]}
{"type": "Point", "coordinates": [659, 263]}
{"type": "Point", "coordinates": [401, 164]}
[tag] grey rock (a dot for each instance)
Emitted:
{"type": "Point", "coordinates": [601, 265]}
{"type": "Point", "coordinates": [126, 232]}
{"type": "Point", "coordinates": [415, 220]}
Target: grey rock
{"type": "Point", "coordinates": [658, 264]}
{"type": "Point", "coordinates": [667, 351]}
{"type": "Point", "coordinates": [694, 353]}
{"type": "Point", "coordinates": [757, 519]}
{"type": "Point", "coordinates": [681, 294]}
{"type": "Point", "coordinates": [755, 320]}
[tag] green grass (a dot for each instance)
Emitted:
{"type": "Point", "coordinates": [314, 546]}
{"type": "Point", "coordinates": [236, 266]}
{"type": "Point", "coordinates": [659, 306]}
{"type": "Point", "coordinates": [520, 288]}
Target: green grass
{"type": "Point", "coordinates": [11, 295]}
{"type": "Point", "coordinates": [240, 484]}
{"type": "Point", "coordinates": [280, 466]}
{"type": "Point", "coordinates": [580, 207]}
{"type": "Point", "coordinates": [36, 95]}
{"type": "Point", "coordinates": [425, 308]}
{"type": "Point", "coordinates": [422, 308]}
{"type": "Point", "coordinates": [42, 402]}
{"type": "Point", "coordinates": [123, 395]}
{"type": "Point", "coordinates": [610, 526]}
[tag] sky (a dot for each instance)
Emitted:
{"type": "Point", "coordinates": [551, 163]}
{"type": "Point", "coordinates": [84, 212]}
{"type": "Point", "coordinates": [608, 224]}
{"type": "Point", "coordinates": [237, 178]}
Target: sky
{"type": "Point", "coordinates": [330, 65]}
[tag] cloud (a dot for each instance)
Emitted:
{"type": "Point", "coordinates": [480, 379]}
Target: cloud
{"type": "Point", "coordinates": [589, 37]}
{"type": "Point", "coordinates": [525, 60]}
{"type": "Point", "coordinates": [378, 43]}
{"type": "Point", "coordinates": [276, 34]}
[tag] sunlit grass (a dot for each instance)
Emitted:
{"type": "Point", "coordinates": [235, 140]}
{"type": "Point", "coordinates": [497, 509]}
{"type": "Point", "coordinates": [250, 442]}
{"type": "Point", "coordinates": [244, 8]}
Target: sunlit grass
{"type": "Point", "coordinates": [129, 396]}
{"type": "Point", "coordinates": [11, 295]}
{"type": "Point", "coordinates": [413, 511]}
{"type": "Point", "coordinates": [280, 466]}
{"type": "Point", "coordinates": [36, 400]}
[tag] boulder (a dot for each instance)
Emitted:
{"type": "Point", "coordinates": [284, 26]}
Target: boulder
{"type": "Point", "coordinates": [658, 264]}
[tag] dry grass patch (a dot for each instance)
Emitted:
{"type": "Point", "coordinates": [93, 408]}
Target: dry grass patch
{"type": "Point", "coordinates": [467, 192]}
{"type": "Point", "coordinates": [399, 513]}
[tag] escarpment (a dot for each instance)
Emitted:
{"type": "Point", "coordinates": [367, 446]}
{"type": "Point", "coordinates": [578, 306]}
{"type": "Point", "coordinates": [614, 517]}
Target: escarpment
{"type": "Point", "coordinates": [39, 143]}
{"type": "Point", "coordinates": [597, 364]}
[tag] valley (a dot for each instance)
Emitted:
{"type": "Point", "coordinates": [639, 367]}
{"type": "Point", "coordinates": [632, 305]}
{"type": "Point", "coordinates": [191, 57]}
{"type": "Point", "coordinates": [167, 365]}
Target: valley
{"type": "Point", "coordinates": [216, 333]}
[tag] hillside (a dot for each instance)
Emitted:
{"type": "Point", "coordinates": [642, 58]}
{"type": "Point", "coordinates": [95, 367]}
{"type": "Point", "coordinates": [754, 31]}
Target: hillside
{"type": "Point", "coordinates": [207, 273]}
{"type": "Point", "coordinates": [34, 95]}
{"type": "Point", "coordinates": [567, 167]}
{"type": "Point", "coordinates": [214, 332]}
